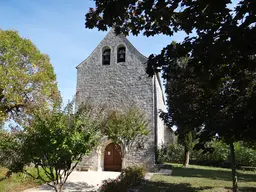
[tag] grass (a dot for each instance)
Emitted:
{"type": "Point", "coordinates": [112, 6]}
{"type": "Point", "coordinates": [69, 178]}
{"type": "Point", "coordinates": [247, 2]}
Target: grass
{"type": "Point", "coordinates": [18, 181]}
{"type": "Point", "coordinates": [199, 179]}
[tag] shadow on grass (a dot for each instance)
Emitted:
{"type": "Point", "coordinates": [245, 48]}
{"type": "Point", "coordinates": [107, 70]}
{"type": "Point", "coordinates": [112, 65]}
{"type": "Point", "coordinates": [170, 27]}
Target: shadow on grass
{"type": "Point", "coordinates": [242, 189]}
{"type": "Point", "coordinates": [210, 173]}
{"type": "Point", "coordinates": [158, 186]}
{"type": "Point", "coordinates": [2, 178]}
{"type": "Point", "coordinates": [71, 187]}
{"type": "Point", "coordinates": [247, 189]}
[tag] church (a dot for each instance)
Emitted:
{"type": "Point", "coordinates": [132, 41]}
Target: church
{"type": "Point", "coordinates": [115, 74]}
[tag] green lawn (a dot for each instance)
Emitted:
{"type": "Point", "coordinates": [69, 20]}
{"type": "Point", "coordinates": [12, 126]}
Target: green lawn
{"type": "Point", "coordinates": [199, 178]}
{"type": "Point", "coordinates": [17, 182]}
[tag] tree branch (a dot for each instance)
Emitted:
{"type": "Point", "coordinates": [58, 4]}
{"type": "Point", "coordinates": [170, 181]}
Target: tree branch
{"type": "Point", "coordinates": [39, 176]}
{"type": "Point", "coordinates": [46, 172]}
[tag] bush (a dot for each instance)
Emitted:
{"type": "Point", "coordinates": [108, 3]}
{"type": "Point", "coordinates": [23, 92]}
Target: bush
{"type": "Point", "coordinates": [244, 155]}
{"type": "Point", "coordinates": [9, 148]}
{"type": "Point", "coordinates": [162, 155]}
{"type": "Point", "coordinates": [129, 177]}
{"type": "Point", "coordinates": [173, 153]}
{"type": "Point", "coordinates": [111, 185]}
{"type": "Point", "coordinates": [132, 176]}
{"type": "Point", "coordinates": [219, 156]}
{"type": "Point", "coordinates": [20, 181]}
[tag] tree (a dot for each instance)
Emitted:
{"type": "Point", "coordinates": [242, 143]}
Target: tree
{"type": "Point", "coordinates": [57, 142]}
{"type": "Point", "coordinates": [27, 78]}
{"type": "Point", "coordinates": [187, 140]}
{"type": "Point", "coordinates": [219, 43]}
{"type": "Point", "coordinates": [183, 104]}
{"type": "Point", "coordinates": [8, 146]}
{"type": "Point", "coordinates": [127, 128]}
{"type": "Point", "coordinates": [9, 149]}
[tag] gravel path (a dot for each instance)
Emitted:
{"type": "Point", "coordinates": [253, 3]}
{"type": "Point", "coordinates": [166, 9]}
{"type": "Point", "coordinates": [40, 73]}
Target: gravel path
{"type": "Point", "coordinates": [81, 181]}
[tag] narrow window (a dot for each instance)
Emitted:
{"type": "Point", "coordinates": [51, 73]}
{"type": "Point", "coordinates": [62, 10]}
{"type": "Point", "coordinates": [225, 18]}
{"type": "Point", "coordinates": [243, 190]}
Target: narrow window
{"type": "Point", "coordinates": [106, 57]}
{"type": "Point", "coordinates": [121, 54]}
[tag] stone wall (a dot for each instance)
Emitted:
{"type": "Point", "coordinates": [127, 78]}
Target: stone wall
{"type": "Point", "coordinates": [119, 85]}
{"type": "Point", "coordinates": [170, 137]}
{"type": "Point", "coordinates": [159, 107]}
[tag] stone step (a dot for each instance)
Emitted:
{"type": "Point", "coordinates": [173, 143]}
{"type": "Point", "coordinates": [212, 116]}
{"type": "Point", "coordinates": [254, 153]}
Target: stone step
{"type": "Point", "coordinates": [83, 168]}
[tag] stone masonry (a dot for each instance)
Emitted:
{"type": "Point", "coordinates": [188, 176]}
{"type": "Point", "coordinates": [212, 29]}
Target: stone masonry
{"type": "Point", "coordinates": [119, 85]}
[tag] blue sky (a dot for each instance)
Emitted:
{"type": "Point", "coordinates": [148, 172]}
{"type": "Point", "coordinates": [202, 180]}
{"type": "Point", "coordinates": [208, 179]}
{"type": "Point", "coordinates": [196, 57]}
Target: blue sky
{"type": "Point", "coordinates": [57, 29]}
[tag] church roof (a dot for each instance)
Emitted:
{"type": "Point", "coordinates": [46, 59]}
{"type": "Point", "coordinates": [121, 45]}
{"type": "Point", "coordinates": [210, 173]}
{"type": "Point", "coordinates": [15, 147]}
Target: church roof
{"type": "Point", "coordinates": [122, 38]}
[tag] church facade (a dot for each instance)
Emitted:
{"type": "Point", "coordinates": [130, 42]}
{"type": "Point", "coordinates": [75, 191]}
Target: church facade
{"type": "Point", "coordinates": [114, 74]}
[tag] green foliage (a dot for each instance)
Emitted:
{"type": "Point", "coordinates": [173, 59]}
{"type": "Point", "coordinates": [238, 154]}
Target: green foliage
{"type": "Point", "coordinates": [127, 129]}
{"type": "Point", "coordinates": [221, 151]}
{"type": "Point", "coordinates": [129, 178]}
{"type": "Point", "coordinates": [5, 145]}
{"type": "Point", "coordinates": [218, 154]}
{"type": "Point", "coordinates": [173, 153]}
{"type": "Point", "coordinates": [188, 141]}
{"type": "Point", "coordinates": [28, 82]}
{"type": "Point", "coordinates": [110, 185]}
{"type": "Point", "coordinates": [132, 176]}
{"type": "Point", "coordinates": [216, 92]}
{"type": "Point", "coordinates": [20, 181]}
{"type": "Point", "coordinates": [216, 88]}
{"type": "Point", "coordinates": [161, 155]}
{"type": "Point", "coordinates": [9, 147]}
{"type": "Point", "coordinates": [57, 141]}
{"type": "Point", "coordinates": [245, 155]}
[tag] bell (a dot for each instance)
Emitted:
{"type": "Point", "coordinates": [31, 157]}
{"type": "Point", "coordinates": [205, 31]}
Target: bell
{"type": "Point", "coordinates": [121, 56]}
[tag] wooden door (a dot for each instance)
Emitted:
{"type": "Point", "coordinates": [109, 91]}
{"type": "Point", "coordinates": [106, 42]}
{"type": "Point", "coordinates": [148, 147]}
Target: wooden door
{"type": "Point", "coordinates": [112, 158]}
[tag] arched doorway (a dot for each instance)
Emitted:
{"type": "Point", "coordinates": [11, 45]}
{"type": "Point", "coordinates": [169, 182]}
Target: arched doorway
{"type": "Point", "coordinates": [112, 158]}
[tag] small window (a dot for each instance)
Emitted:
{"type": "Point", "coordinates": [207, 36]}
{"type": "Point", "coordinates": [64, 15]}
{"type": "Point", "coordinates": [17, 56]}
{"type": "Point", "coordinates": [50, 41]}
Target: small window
{"type": "Point", "coordinates": [121, 54]}
{"type": "Point", "coordinates": [106, 57]}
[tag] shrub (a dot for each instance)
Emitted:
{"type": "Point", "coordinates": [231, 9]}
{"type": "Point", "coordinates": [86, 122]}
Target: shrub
{"type": "Point", "coordinates": [132, 176]}
{"type": "Point", "coordinates": [245, 155]}
{"type": "Point", "coordinates": [221, 151]}
{"type": "Point", "coordinates": [129, 177]}
{"type": "Point", "coordinates": [111, 185]}
{"type": "Point", "coordinates": [173, 153]}
{"type": "Point", "coordinates": [20, 181]}
{"type": "Point", "coordinates": [162, 155]}
{"type": "Point", "coordinates": [218, 156]}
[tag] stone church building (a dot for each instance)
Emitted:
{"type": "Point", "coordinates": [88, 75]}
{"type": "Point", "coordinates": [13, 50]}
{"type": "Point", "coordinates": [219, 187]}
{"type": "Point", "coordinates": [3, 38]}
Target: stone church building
{"type": "Point", "coordinates": [114, 74]}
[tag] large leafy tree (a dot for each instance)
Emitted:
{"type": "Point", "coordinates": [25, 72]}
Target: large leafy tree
{"type": "Point", "coordinates": [57, 142]}
{"type": "Point", "coordinates": [183, 100]}
{"type": "Point", "coordinates": [27, 78]}
{"type": "Point", "coordinates": [220, 41]}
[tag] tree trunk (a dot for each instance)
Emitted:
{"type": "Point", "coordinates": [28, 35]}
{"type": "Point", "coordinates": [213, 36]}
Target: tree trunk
{"type": "Point", "coordinates": [123, 155]}
{"type": "Point", "coordinates": [61, 186]}
{"type": "Point", "coordinates": [123, 163]}
{"type": "Point", "coordinates": [233, 166]}
{"type": "Point", "coordinates": [186, 162]}
{"type": "Point", "coordinates": [58, 188]}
